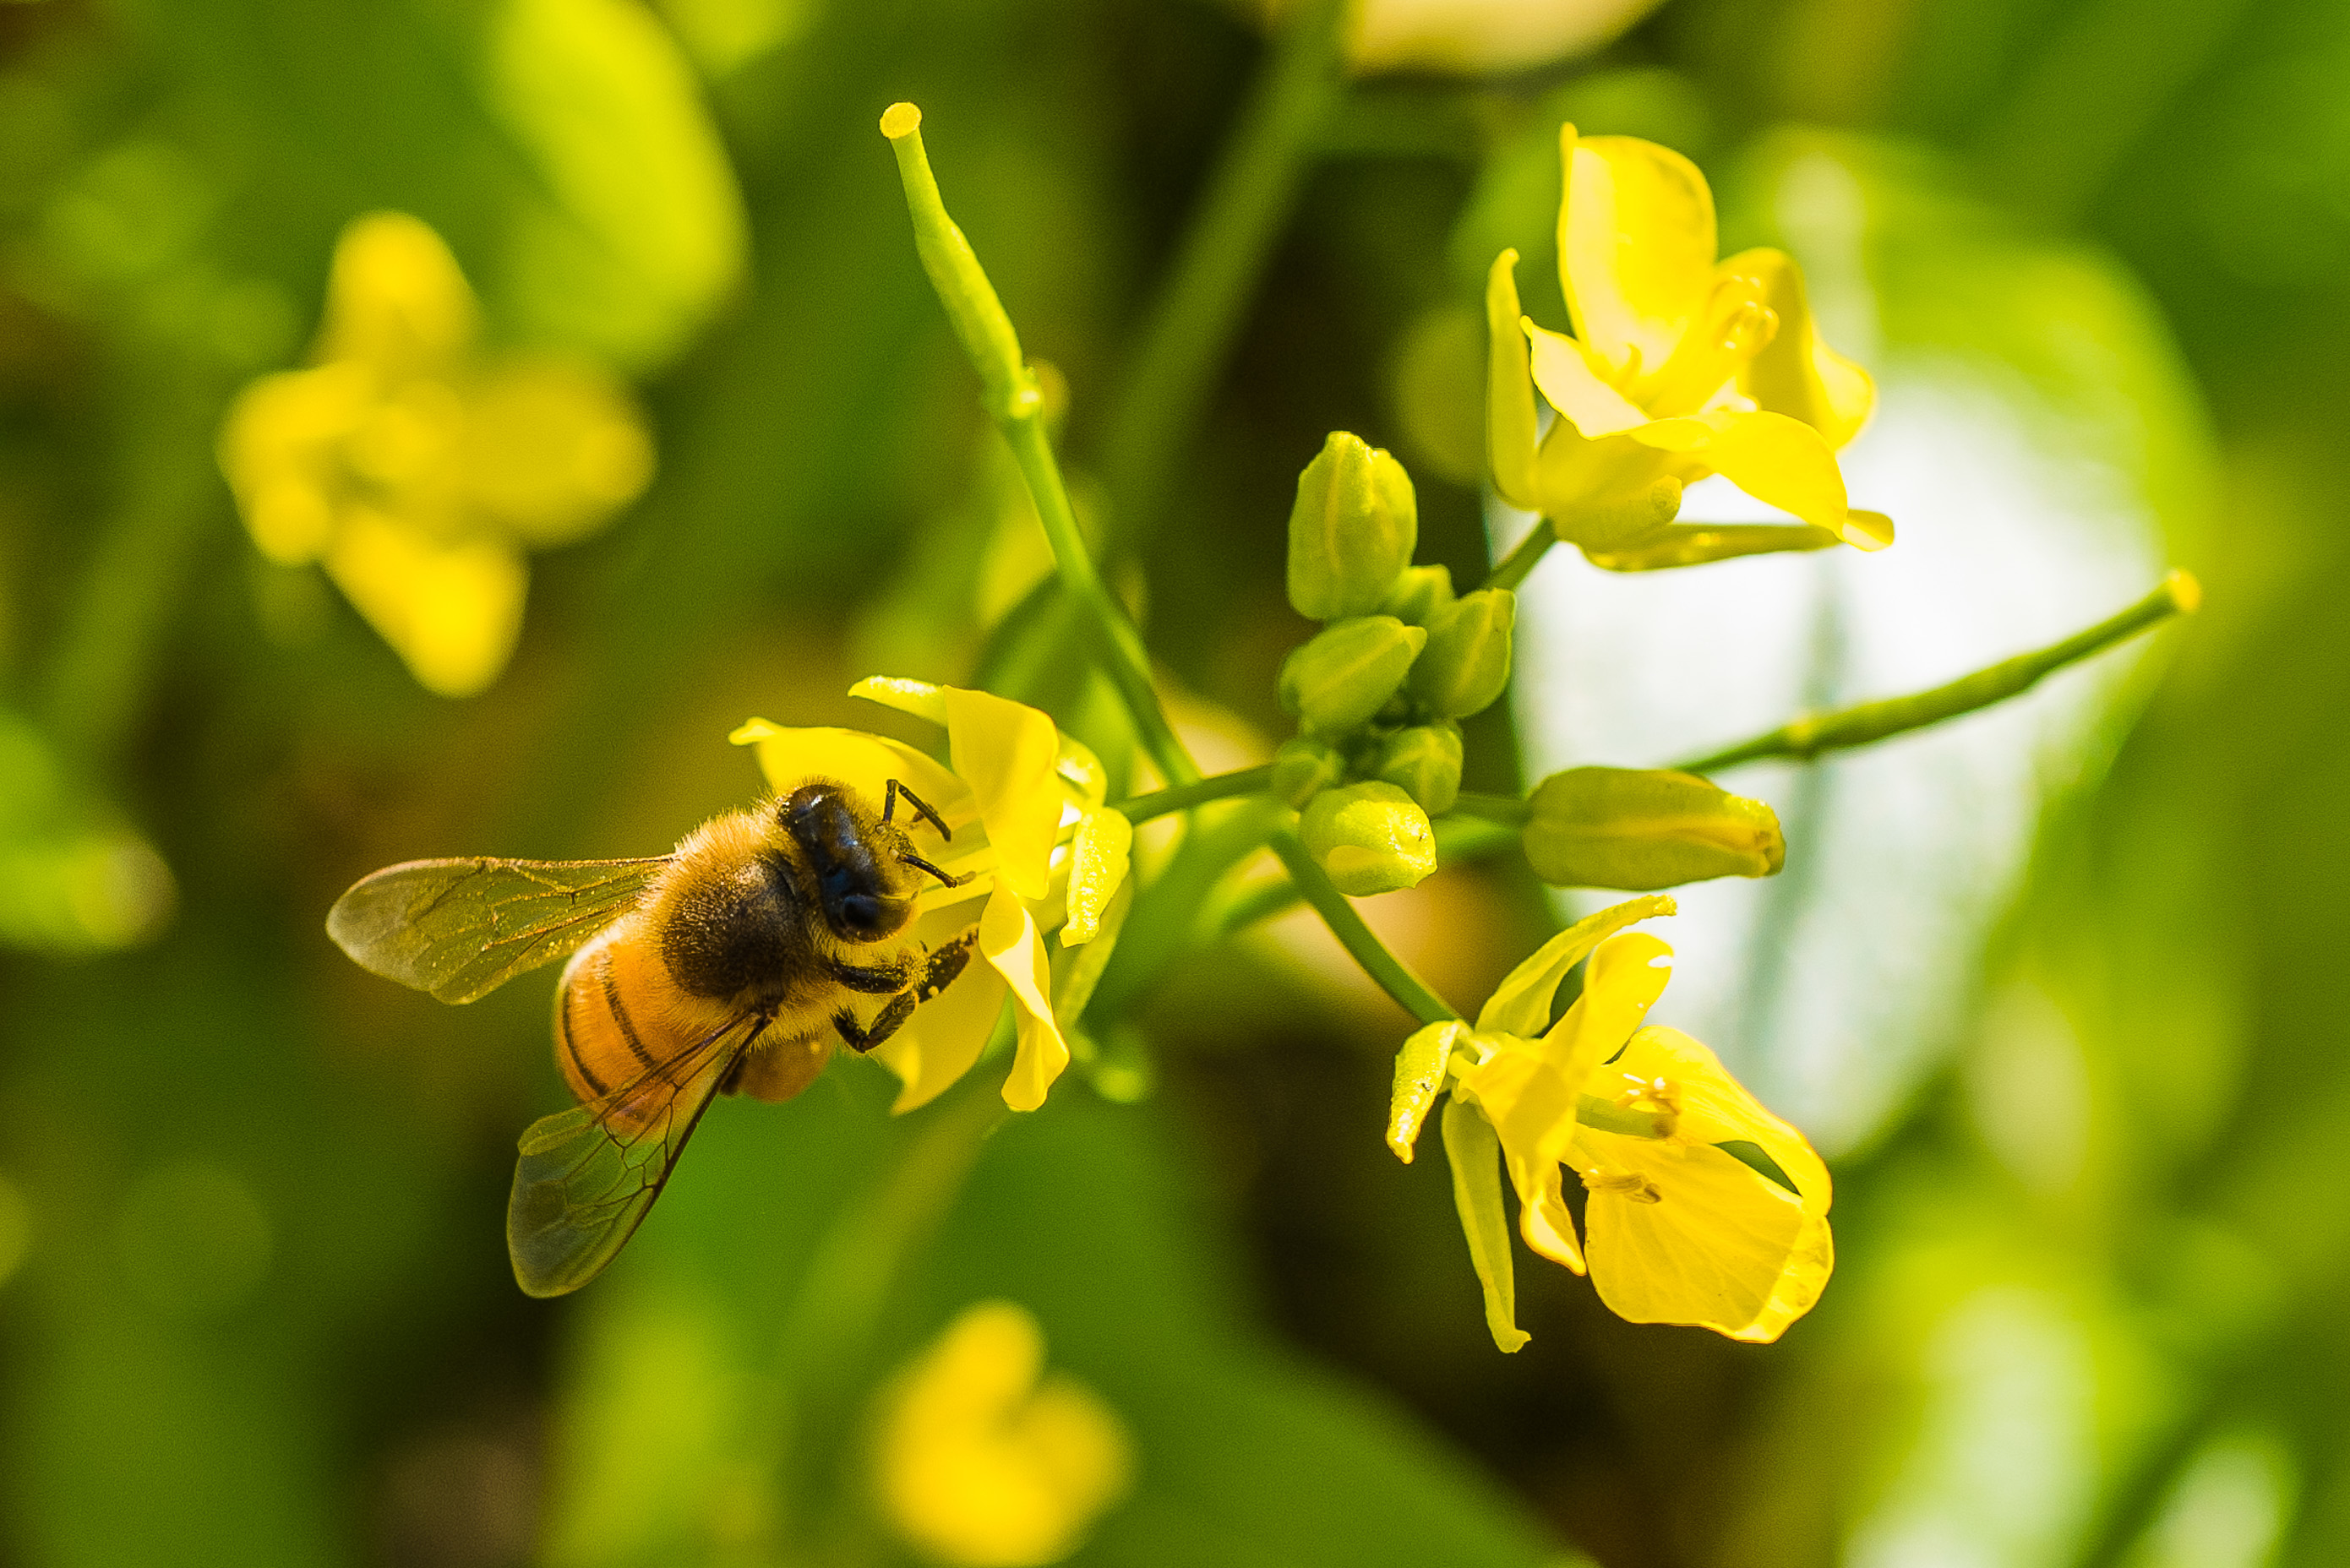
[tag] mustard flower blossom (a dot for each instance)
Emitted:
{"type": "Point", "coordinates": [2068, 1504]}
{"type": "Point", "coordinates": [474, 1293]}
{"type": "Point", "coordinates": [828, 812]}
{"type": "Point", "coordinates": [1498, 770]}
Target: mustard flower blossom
{"type": "Point", "coordinates": [982, 1459]}
{"type": "Point", "coordinates": [1028, 835]}
{"type": "Point", "coordinates": [1702, 1208]}
{"type": "Point", "coordinates": [1682, 365]}
{"type": "Point", "coordinates": [415, 468]}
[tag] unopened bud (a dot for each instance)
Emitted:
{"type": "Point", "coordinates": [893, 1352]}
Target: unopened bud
{"type": "Point", "coordinates": [1352, 531]}
{"type": "Point", "coordinates": [1303, 768]}
{"type": "Point", "coordinates": [1346, 673]}
{"type": "Point", "coordinates": [1641, 829]}
{"type": "Point", "coordinates": [1468, 657]}
{"type": "Point", "coordinates": [1370, 838]}
{"type": "Point", "coordinates": [1419, 594]}
{"type": "Point", "coordinates": [1424, 762]}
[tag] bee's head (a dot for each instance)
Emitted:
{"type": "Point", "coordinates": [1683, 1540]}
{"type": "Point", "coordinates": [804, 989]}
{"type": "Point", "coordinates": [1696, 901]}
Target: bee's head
{"type": "Point", "coordinates": [864, 889]}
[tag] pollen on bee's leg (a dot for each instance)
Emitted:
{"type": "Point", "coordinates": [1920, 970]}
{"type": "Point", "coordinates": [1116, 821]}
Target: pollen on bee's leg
{"type": "Point", "coordinates": [1625, 1184]}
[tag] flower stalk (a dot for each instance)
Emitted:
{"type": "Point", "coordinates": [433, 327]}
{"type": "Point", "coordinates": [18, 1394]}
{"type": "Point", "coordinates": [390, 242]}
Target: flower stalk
{"type": "Point", "coordinates": [1394, 977]}
{"type": "Point", "coordinates": [1010, 395]}
{"type": "Point", "coordinates": [1866, 722]}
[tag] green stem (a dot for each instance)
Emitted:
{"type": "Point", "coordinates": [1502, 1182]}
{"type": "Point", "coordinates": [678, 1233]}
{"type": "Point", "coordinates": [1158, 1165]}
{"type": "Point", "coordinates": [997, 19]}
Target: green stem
{"type": "Point", "coordinates": [1187, 332]}
{"type": "Point", "coordinates": [1410, 991]}
{"type": "Point", "coordinates": [1507, 810]}
{"type": "Point", "coordinates": [1010, 396]}
{"type": "Point", "coordinates": [1198, 792]}
{"type": "Point", "coordinates": [1519, 564]}
{"type": "Point", "coordinates": [1457, 839]}
{"type": "Point", "coordinates": [1870, 721]}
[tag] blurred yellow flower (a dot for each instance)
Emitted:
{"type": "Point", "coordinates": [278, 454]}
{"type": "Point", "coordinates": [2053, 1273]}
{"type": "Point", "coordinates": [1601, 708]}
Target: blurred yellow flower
{"type": "Point", "coordinates": [1682, 365]}
{"type": "Point", "coordinates": [1023, 805]}
{"type": "Point", "coordinates": [417, 469]}
{"type": "Point", "coordinates": [983, 1461]}
{"type": "Point", "coordinates": [1703, 1208]}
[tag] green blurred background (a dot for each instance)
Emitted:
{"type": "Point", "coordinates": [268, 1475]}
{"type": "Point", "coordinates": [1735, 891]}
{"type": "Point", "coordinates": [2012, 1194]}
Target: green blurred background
{"type": "Point", "coordinates": [254, 1302]}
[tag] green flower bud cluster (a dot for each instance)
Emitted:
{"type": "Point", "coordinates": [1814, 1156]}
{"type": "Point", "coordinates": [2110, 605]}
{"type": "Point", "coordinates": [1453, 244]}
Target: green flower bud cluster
{"type": "Point", "coordinates": [1380, 691]}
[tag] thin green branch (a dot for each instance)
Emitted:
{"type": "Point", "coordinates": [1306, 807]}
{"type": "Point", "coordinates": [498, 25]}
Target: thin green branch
{"type": "Point", "coordinates": [1870, 721]}
{"type": "Point", "coordinates": [1198, 792]}
{"type": "Point", "coordinates": [1188, 333]}
{"type": "Point", "coordinates": [1519, 564]}
{"type": "Point", "coordinates": [1010, 396]}
{"type": "Point", "coordinates": [1459, 840]}
{"type": "Point", "coordinates": [1410, 991]}
{"type": "Point", "coordinates": [1507, 810]}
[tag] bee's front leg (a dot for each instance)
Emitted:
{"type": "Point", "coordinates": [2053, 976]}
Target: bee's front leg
{"type": "Point", "coordinates": [938, 970]}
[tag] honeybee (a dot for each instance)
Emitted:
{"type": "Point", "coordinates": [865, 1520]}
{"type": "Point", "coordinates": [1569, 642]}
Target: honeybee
{"type": "Point", "coordinates": [733, 965]}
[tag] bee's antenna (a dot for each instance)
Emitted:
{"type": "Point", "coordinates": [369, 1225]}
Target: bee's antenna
{"type": "Point", "coordinates": [919, 864]}
{"type": "Point", "coordinates": [895, 792]}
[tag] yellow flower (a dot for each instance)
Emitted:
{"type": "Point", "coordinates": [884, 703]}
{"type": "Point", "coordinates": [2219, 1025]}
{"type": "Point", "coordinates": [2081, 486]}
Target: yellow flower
{"type": "Point", "coordinates": [1028, 834]}
{"type": "Point", "coordinates": [415, 469]}
{"type": "Point", "coordinates": [1682, 365]}
{"type": "Point", "coordinates": [983, 1462]}
{"type": "Point", "coordinates": [1703, 1208]}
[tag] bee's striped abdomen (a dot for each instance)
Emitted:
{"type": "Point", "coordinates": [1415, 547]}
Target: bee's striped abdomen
{"type": "Point", "coordinates": [613, 1016]}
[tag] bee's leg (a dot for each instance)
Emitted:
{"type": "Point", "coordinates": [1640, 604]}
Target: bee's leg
{"type": "Point", "coordinates": [877, 980]}
{"type": "Point", "coordinates": [946, 963]}
{"type": "Point", "coordinates": [885, 1024]}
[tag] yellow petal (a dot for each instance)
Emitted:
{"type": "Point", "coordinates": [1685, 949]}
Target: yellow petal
{"type": "Point", "coordinates": [1805, 1275]}
{"type": "Point", "coordinates": [1420, 1073]}
{"type": "Point", "coordinates": [1098, 859]}
{"type": "Point", "coordinates": [919, 698]}
{"type": "Point", "coordinates": [1797, 374]}
{"type": "Point", "coordinates": [1635, 248]}
{"type": "Point", "coordinates": [551, 448]}
{"type": "Point", "coordinates": [395, 298]}
{"type": "Point", "coordinates": [1005, 752]}
{"type": "Point", "coordinates": [790, 757]}
{"type": "Point", "coordinates": [1563, 369]}
{"type": "Point", "coordinates": [1468, 1149]}
{"type": "Point", "coordinates": [1625, 977]}
{"type": "Point", "coordinates": [450, 610]}
{"type": "Point", "coordinates": [1709, 1251]}
{"type": "Point", "coordinates": [1008, 940]}
{"type": "Point", "coordinates": [1779, 460]}
{"type": "Point", "coordinates": [1717, 1108]}
{"type": "Point", "coordinates": [1544, 1218]}
{"type": "Point", "coordinates": [1511, 426]}
{"type": "Point", "coordinates": [1521, 1005]}
{"type": "Point", "coordinates": [1530, 1104]}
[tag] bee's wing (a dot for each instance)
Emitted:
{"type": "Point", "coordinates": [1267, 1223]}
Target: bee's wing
{"type": "Point", "coordinates": [461, 929]}
{"type": "Point", "coordinates": [587, 1175]}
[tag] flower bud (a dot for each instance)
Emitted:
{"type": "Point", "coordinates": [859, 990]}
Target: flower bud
{"type": "Point", "coordinates": [1640, 828]}
{"type": "Point", "coordinates": [1352, 531]}
{"type": "Point", "coordinates": [1303, 768]}
{"type": "Point", "coordinates": [1468, 657]}
{"type": "Point", "coordinates": [1346, 673]}
{"type": "Point", "coordinates": [1370, 838]}
{"type": "Point", "coordinates": [1424, 762]}
{"type": "Point", "coordinates": [1418, 594]}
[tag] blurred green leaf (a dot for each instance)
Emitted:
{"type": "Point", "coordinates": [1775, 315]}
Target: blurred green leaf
{"type": "Point", "coordinates": [639, 234]}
